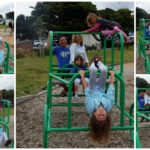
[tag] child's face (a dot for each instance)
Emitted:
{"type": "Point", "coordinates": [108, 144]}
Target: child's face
{"type": "Point", "coordinates": [93, 21]}
{"type": "Point", "coordinates": [63, 42]}
{"type": "Point", "coordinates": [142, 94]}
{"type": "Point", "coordinates": [78, 62]}
{"type": "Point", "coordinates": [100, 114]}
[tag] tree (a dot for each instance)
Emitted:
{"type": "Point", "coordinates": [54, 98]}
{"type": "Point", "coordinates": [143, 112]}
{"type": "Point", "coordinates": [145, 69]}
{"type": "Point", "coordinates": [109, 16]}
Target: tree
{"type": "Point", "coordinates": [1, 16]}
{"type": "Point", "coordinates": [10, 15]}
{"type": "Point", "coordinates": [141, 83]}
{"type": "Point", "coordinates": [141, 13]}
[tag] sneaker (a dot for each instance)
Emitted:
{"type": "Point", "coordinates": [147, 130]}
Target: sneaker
{"type": "Point", "coordinates": [8, 142]}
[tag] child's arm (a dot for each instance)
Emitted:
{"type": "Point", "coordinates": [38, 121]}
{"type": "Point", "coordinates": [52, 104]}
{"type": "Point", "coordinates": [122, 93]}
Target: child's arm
{"type": "Point", "coordinates": [94, 29]}
{"type": "Point", "coordinates": [84, 83]}
{"type": "Point", "coordinates": [111, 77]}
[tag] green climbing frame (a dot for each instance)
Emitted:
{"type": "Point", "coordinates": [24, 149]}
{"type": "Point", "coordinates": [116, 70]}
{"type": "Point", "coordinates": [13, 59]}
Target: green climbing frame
{"type": "Point", "coordinates": [141, 113]}
{"type": "Point", "coordinates": [69, 80]}
{"type": "Point", "coordinates": [5, 115]}
{"type": "Point", "coordinates": [143, 41]}
{"type": "Point", "coordinates": [9, 61]}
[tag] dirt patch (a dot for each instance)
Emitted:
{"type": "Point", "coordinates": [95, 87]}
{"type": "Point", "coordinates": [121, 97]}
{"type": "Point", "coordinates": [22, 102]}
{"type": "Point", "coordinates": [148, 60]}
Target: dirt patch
{"type": "Point", "coordinates": [30, 122]}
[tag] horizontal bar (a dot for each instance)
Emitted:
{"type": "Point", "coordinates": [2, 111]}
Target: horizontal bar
{"type": "Point", "coordinates": [58, 78]}
{"type": "Point", "coordinates": [59, 95]}
{"type": "Point", "coordinates": [143, 115]}
{"type": "Point", "coordinates": [87, 129]}
{"type": "Point", "coordinates": [130, 117]}
{"type": "Point", "coordinates": [142, 127]}
{"type": "Point", "coordinates": [66, 104]}
{"type": "Point", "coordinates": [72, 32]}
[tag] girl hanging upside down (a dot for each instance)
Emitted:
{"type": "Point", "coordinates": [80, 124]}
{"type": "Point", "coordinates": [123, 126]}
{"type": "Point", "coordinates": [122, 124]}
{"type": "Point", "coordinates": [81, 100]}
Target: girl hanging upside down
{"type": "Point", "coordinates": [106, 27]}
{"type": "Point", "coordinates": [97, 102]}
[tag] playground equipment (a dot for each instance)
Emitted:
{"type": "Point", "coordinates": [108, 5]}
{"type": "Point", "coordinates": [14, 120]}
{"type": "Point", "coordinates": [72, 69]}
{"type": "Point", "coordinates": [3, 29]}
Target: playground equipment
{"type": "Point", "coordinates": [144, 42]}
{"type": "Point", "coordinates": [5, 115]}
{"type": "Point", "coordinates": [143, 113]}
{"type": "Point", "coordinates": [68, 80]}
{"type": "Point", "coordinates": [9, 61]}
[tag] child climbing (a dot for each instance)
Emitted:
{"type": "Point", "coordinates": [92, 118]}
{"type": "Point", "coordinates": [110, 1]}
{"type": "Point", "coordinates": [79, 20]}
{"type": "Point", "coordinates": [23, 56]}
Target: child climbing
{"type": "Point", "coordinates": [106, 27]}
{"type": "Point", "coordinates": [4, 141]}
{"type": "Point", "coordinates": [97, 102]}
{"type": "Point", "coordinates": [79, 65]}
{"type": "Point", "coordinates": [1, 54]}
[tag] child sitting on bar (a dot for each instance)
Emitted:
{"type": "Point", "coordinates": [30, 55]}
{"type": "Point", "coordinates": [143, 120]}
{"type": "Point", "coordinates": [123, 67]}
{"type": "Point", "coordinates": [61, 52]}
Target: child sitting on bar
{"type": "Point", "coordinates": [79, 65]}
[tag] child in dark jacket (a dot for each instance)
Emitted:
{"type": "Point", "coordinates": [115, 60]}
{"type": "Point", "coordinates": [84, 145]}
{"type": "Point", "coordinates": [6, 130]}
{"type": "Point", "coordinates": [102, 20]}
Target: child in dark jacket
{"type": "Point", "coordinates": [79, 65]}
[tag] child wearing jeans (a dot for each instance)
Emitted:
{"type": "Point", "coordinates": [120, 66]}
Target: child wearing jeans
{"type": "Point", "coordinates": [106, 27]}
{"type": "Point", "coordinates": [97, 102]}
{"type": "Point", "coordinates": [79, 65]}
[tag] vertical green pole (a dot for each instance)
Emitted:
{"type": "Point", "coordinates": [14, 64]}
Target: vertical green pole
{"type": "Point", "coordinates": [105, 50]}
{"type": "Point", "coordinates": [121, 52]}
{"type": "Point", "coordinates": [112, 53]}
{"type": "Point", "coordinates": [6, 63]}
{"type": "Point", "coordinates": [69, 105]}
{"type": "Point", "coordinates": [122, 101]}
{"type": "Point", "coordinates": [138, 144]}
{"type": "Point", "coordinates": [116, 90]}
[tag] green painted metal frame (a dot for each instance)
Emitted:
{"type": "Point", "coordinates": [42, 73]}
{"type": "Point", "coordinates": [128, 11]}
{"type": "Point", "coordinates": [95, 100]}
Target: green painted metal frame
{"type": "Point", "coordinates": [142, 114]}
{"type": "Point", "coordinates": [9, 60]}
{"type": "Point", "coordinates": [142, 42]}
{"type": "Point", "coordinates": [5, 116]}
{"type": "Point", "coordinates": [119, 79]}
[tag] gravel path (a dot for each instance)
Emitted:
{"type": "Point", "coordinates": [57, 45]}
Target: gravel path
{"type": "Point", "coordinates": [30, 123]}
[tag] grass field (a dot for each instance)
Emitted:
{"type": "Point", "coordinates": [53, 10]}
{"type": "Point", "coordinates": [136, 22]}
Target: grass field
{"type": "Point", "coordinates": [2, 26]}
{"type": "Point", "coordinates": [32, 72]}
{"type": "Point", "coordinates": [6, 111]}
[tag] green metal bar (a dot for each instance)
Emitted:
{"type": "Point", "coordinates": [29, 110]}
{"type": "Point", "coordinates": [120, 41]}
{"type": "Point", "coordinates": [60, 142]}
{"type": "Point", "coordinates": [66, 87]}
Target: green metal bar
{"type": "Point", "coordinates": [139, 114]}
{"type": "Point", "coordinates": [73, 104]}
{"type": "Point", "coordinates": [87, 129]}
{"type": "Point", "coordinates": [112, 53]}
{"type": "Point", "coordinates": [70, 32]}
{"type": "Point", "coordinates": [58, 78]}
{"type": "Point", "coordinates": [105, 54]}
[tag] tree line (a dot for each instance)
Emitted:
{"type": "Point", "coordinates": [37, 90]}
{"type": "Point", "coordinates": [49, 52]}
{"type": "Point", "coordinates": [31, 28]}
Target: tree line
{"type": "Point", "coordinates": [142, 83]}
{"type": "Point", "coordinates": [141, 14]}
{"type": "Point", "coordinates": [66, 16]}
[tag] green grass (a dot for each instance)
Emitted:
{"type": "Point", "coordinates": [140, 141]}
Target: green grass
{"type": "Point", "coordinates": [6, 111]}
{"type": "Point", "coordinates": [2, 26]}
{"type": "Point", "coordinates": [32, 72]}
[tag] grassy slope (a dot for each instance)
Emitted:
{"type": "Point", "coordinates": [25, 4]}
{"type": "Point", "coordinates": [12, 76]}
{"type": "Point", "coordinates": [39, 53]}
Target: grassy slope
{"type": "Point", "coordinates": [32, 72]}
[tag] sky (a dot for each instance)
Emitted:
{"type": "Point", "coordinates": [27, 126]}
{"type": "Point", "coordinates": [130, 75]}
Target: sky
{"type": "Point", "coordinates": [6, 82]}
{"type": "Point", "coordinates": [145, 6]}
{"type": "Point", "coordinates": [6, 6]}
{"type": "Point", "coordinates": [24, 7]}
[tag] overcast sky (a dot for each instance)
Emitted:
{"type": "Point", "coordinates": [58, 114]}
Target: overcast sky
{"type": "Point", "coordinates": [24, 7]}
{"type": "Point", "coordinates": [6, 82]}
{"type": "Point", "coordinates": [145, 6]}
{"type": "Point", "coordinates": [6, 6]}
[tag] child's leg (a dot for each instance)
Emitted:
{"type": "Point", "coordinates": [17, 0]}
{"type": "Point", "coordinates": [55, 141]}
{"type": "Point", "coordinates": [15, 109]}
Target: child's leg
{"type": "Point", "coordinates": [93, 76]}
{"type": "Point", "coordinates": [117, 29]}
{"type": "Point", "coordinates": [77, 82]}
{"type": "Point", "coordinates": [102, 79]}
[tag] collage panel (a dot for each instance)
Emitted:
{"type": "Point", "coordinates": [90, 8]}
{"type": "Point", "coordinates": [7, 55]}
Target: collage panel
{"type": "Point", "coordinates": [7, 111]}
{"type": "Point", "coordinates": [143, 38]}
{"type": "Point", "coordinates": [75, 74]}
{"type": "Point", "coordinates": [7, 37]}
{"type": "Point", "coordinates": [142, 111]}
